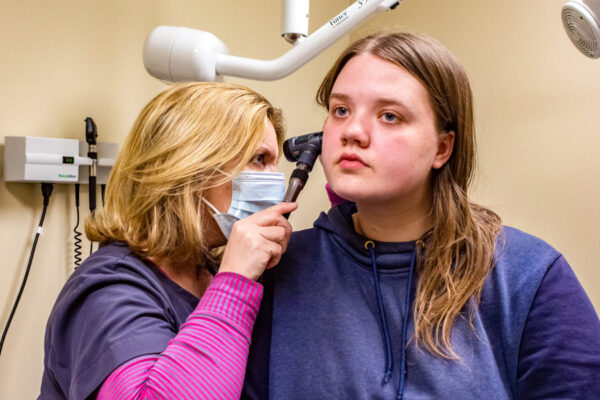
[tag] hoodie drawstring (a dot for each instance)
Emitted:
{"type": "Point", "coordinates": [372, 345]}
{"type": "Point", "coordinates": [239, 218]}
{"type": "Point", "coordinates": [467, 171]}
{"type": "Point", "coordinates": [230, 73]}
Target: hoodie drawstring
{"type": "Point", "coordinates": [386, 332]}
{"type": "Point", "coordinates": [411, 271]}
{"type": "Point", "coordinates": [370, 245]}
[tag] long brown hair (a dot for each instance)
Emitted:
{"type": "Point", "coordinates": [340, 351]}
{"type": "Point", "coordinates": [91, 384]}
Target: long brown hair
{"type": "Point", "coordinates": [189, 138]}
{"type": "Point", "coordinates": [459, 250]}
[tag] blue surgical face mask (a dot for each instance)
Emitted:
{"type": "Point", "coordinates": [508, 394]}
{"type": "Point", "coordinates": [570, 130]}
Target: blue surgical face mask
{"type": "Point", "coordinates": [251, 191]}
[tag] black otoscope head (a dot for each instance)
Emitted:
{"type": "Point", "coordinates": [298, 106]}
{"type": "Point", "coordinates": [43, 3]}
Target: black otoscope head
{"type": "Point", "coordinates": [303, 149]}
{"type": "Point", "coordinates": [91, 133]}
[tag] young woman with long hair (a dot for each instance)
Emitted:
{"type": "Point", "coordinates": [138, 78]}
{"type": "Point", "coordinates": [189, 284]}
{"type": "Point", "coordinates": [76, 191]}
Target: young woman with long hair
{"type": "Point", "coordinates": [409, 289]}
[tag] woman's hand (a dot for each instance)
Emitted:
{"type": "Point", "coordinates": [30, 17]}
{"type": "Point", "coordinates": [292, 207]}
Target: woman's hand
{"type": "Point", "coordinates": [258, 241]}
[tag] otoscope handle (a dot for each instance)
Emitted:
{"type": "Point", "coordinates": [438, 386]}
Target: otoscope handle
{"type": "Point", "coordinates": [91, 133]}
{"type": "Point", "coordinates": [92, 188]}
{"type": "Point", "coordinates": [296, 184]}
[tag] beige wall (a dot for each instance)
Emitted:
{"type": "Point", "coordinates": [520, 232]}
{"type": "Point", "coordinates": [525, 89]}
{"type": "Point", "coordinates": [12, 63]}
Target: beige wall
{"type": "Point", "coordinates": [537, 104]}
{"type": "Point", "coordinates": [64, 60]}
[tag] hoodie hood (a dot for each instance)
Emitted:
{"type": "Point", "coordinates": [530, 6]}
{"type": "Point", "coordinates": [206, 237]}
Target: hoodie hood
{"type": "Point", "coordinates": [390, 255]}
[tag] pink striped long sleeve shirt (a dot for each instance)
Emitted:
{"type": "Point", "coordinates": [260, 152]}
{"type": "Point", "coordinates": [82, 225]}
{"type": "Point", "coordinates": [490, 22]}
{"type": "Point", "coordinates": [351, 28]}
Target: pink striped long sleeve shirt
{"type": "Point", "coordinates": [206, 359]}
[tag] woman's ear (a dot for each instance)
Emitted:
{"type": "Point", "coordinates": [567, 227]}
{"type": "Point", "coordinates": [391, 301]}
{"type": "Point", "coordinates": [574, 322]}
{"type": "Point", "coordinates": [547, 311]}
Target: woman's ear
{"type": "Point", "coordinates": [445, 147]}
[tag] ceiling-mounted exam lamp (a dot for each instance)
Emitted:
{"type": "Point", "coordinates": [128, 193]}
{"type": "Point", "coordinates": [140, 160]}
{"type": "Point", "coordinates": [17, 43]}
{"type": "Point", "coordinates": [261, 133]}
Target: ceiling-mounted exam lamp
{"type": "Point", "coordinates": [294, 20]}
{"type": "Point", "coordinates": [581, 19]}
{"type": "Point", "coordinates": [178, 54]}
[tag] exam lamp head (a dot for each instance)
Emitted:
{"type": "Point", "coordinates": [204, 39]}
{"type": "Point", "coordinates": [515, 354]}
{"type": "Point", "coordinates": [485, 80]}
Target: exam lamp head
{"type": "Point", "coordinates": [178, 54]}
{"type": "Point", "coordinates": [581, 20]}
{"type": "Point", "coordinates": [294, 20]}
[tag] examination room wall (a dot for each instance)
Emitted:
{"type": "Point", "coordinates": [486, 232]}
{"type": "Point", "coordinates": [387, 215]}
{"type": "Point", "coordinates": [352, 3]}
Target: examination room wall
{"type": "Point", "coordinates": [66, 60]}
{"type": "Point", "coordinates": [537, 103]}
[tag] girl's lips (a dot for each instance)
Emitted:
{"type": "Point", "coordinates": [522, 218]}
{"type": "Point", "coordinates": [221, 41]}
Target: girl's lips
{"type": "Point", "coordinates": [351, 161]}
{"type": "Point", "coordinates": [351, 164]}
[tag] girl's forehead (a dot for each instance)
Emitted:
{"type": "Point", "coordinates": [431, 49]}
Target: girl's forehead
{"type": "Point", "coordinates": [369, 74]}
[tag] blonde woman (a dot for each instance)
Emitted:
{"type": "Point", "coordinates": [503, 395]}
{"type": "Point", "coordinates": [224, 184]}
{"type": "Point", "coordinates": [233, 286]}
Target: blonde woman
{"type": "Point", "coordinates": [151, 314]}
{"type": "Point", "coordinates": [410, 290]}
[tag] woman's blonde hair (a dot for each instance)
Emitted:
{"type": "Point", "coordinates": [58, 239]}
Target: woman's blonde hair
{"type": "Point", "coordinates": [459, 250]}
{"type": "Point", "coordinates": [189, 138]}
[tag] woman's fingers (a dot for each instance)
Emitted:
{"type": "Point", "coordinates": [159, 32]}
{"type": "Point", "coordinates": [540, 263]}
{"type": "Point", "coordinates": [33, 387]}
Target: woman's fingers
{"type": "Point", "coordinates": [258, 241]}
{"type": "Point", "coordinates": [273, 215]}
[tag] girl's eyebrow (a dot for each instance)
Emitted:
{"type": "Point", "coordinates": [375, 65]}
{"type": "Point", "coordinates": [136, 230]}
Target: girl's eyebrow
{"type": "Point", "coordinates": [380, 100]}
{"type": "Point", "coordinates": [339, 96]}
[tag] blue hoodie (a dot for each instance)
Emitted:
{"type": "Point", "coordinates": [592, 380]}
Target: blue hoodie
{"type": "Point", "coordinates": [333, 319]}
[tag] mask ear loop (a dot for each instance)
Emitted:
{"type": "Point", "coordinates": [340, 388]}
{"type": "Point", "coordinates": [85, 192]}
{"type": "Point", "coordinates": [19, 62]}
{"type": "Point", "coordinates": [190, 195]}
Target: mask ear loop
{"type": "Point", "coordinates": [211, 206]}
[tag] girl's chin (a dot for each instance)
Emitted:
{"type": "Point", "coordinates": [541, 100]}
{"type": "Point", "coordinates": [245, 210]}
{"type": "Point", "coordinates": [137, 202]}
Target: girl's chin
{"type": "Point", "coordinates": [352, 188]}
{"type": "Point", "coordinates": [353, 196]}
{"type": "Point", "coordinates": [365, 197]}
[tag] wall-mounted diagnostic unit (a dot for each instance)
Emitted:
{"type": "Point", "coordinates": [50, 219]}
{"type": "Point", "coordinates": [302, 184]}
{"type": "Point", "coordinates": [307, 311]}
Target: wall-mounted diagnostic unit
{"type": "Point", "coordinates": [38, 159]}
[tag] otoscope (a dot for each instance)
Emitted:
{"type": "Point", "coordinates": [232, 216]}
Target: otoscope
{"type": "Point", "coordinates": [91, 133]}
{"type": "Point", "coordinates": [304, 150]}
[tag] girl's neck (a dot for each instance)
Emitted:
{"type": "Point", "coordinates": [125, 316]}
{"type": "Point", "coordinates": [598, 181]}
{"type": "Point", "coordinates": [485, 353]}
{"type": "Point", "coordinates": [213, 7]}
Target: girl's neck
{"type": "Point", "coordinates": [392, 224]}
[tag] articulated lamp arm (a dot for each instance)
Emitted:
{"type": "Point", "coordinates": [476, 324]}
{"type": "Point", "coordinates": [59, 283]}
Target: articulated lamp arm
{"type": "Point", "coordinates": [182, 54]}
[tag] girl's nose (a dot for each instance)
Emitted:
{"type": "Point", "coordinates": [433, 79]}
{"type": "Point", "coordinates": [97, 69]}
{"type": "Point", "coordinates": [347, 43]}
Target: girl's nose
{"type": "Point", "coordinates": [355, 132]}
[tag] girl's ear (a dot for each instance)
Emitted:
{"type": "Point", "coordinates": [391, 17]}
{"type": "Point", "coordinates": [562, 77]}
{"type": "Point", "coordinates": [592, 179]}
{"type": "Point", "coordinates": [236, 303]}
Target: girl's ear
{"type": "Point", "coordinates": [445, 147]}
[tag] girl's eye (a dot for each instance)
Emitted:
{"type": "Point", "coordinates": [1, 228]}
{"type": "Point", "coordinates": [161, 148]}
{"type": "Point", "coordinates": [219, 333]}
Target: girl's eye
{"type": "Point", "coordinates": [389, 117]}
{"type": "Point", "coordinates": [340, 111]}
